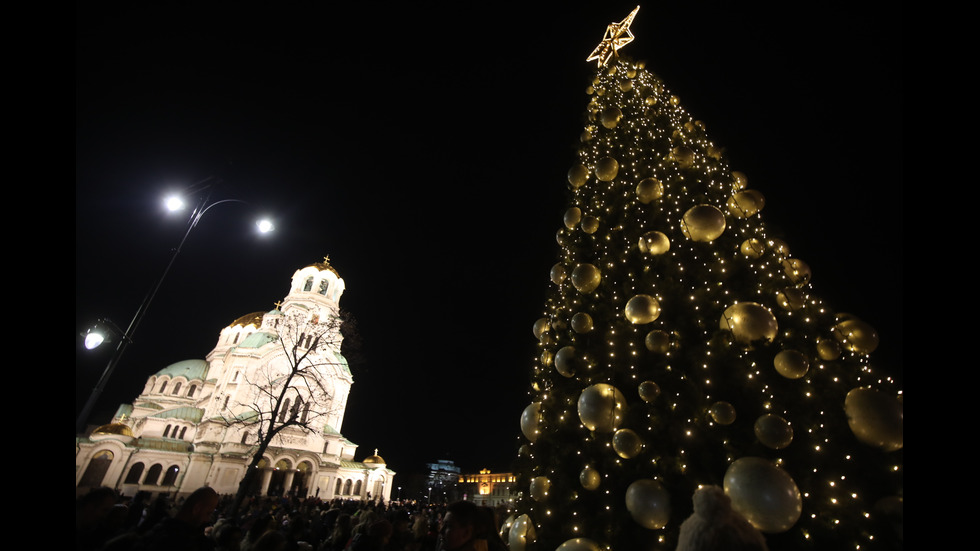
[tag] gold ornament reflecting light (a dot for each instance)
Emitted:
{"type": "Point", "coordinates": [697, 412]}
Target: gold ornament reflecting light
{"type": "Point", "coordinates": [703, 223]}
{"type": "Point", "coordinates": [875, 418]}
{"type": "Point", "coordinates": [654, 243]}
{"type": "Point", "coordinates": [642, 309]}
{"type": "Point", "coordinates": [585, 278]}
{"type": "Point", "coordinates": [606, 169]}
{"type": "Point", "coordinates": [601, 407]}
{"type": "Point", "coordinates": [649, 189]}
{"type": "Point", "coordinates": [648, 502]}
{"type": "Point", "coordinates": [749, 322]}
{"type": "Point", "coordinates": [764, 494]}
{"type": "Point", "coordinates": [589, 478]}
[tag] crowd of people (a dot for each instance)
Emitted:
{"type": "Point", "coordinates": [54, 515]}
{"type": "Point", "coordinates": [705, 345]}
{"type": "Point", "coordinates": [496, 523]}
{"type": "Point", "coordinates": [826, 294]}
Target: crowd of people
{"type": "Point", "coordinates": [107, 521]}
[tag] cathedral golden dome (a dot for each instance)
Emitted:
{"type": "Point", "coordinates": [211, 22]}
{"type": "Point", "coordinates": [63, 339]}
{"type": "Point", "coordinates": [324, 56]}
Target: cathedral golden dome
{"type": "Point", "coordinates": [114, 428]}
{"type": "Point", "coordinates": [255, 318]}
{"type": "Point", "coordinates": [374, 459]}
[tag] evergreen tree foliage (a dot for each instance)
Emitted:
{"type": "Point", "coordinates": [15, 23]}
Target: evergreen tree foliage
{"type": "Point", "coordinates": [683, 345]}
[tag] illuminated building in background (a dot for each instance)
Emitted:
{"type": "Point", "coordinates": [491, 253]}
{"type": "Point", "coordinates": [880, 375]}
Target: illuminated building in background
{"type": "Point", "coordinates": [195, 422]}
{"type": "Point", "coordinates": [488, 489]}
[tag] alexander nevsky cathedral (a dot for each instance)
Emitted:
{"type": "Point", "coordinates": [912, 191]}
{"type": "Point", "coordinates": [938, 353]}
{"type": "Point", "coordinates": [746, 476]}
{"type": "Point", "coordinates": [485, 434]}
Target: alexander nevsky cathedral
{"type": "Point", "coordinates": [199, 422]}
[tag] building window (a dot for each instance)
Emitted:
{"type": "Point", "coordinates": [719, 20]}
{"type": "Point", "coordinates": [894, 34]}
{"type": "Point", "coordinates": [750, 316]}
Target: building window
{"type": "Point", "coordinates": [163, 386]}
{"type": "Point", "coordinates": [176, 389]}
{"type": "Point", "coordinates": [309, 284]}
{"type": "Point", "coordinates": [134, 474]}
{"type": "Point", "coordinates": [170, 478]}
{"type": "Point", "coordinates": [182, 432]}
{"type": "Point", "coordinates": [323, 287]}
{"type": "Point", "coordinates": [190, 391]}
{"type": "Point", "coordinates": [166, 431]}
{"type": "Point", "coordinates": [282, 412]}
{"type": "Point", "coordinates": [153, 475]}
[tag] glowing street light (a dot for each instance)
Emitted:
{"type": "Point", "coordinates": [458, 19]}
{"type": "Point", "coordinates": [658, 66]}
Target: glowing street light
{"type": "Point", "coordinates": [96, 336]}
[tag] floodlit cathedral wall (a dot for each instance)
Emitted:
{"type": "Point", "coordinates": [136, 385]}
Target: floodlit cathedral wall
{"type": "Point", "coordinates": [174, 437]}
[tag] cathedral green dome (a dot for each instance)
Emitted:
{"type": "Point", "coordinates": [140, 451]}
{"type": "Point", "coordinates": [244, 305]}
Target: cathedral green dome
{"type": "Point", "coordinates": [191, 369]}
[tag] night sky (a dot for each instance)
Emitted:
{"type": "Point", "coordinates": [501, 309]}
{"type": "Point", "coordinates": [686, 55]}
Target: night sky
{"type": "Point", "coordinates": [424, 150]}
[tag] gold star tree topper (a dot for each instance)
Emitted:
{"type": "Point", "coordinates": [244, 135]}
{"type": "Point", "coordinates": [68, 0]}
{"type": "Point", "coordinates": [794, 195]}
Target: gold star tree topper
{"type": "Point", "coordinates": [614, 40]}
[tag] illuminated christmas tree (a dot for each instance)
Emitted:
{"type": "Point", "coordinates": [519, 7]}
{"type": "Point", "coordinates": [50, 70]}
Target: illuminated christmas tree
{"type": "Point", "coordinates": [682, 345]}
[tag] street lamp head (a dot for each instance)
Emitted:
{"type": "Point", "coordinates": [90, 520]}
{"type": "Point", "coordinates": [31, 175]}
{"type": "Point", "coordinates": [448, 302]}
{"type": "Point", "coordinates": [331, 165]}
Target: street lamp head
{"type": "Point", "coordinates": [173, 203]}
{"type": "Point", "coordinates": [265, 225]}
{"type": "Point", "coordinates": [93, 338]}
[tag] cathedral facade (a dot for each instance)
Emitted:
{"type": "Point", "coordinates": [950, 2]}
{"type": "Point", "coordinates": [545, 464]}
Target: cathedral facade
{"type": "Point", "coordinates": [201, 422]}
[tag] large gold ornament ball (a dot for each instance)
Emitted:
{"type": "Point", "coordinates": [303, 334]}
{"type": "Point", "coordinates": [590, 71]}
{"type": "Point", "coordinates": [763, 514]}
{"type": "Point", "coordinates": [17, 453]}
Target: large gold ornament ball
{"type": "Point", "coordinates": [547, 357]}
{"type": "Point", "coordinates": [558, 273]}
{"type": "Point", "coordinates": [657, 341]}
{"type": "Point", "coordinates": [649, 189]}
{"type": "Point", "coordinates": [642, 309]}
{"type": "Point", "coordinates": [540, 486]}
{"type": "Point", "coordinates": [572, 217]}
{"type": "Point", "coordinates": [578, 175]}
{"type": "Point", "coordinates": [682, 155]}
{"type": "Point", "coordinates": [746, 203]}
{"type": "Point", "coordinates": [764, 494]}
{"type": "Point", "coordinates": [601, 407]}
{"type": "Point", "coordinates": [856, 335]}
{"type": "Point", "coordinates": [649, 391]}
{"type": "Point", "coordinates": [752, 248]}
{"type": "Point", "coordinates": [773, 431]}
{"type": "Point", "coordinates": [797, 271]}
{"type": "Point", "coordinates": [791, 364]}
{"type": "Point", "coordinates": [791, 298]}
{"type": "Point", "coordinates": [610, 116]}
{"type": "Point", "coordinates": [606, 169]}
{"type": "Point", "coordinates": [590, 224]}
{"type": "Point", "coordinates": [565, 361]}
{"type": "Point", "coordinates": [739, 180]}
{"type": "Point", "coordinates": [582, 322]}
{"type": "Point", "coordinates": [722, 412]}
{"type": "Point", "coordinates": [749, 322]}
{"type": "Point", "coordinates": [648, 502]}
{"type": "Point", "coordinates": [779, 246]}
{"type": "Point", "coordinates": [579, 544]}
{"type": "Point", "coordinates": [541, 326]}
{"type": "Point", "coordinates": [585, 277]}
{"type": "Point", "coordinates": [654, 243]}
{"type": "Point", "coordinates": [875, 418]}
{"type": "Point", "coordinates": [589, 478]}
{"type": "Point", "coordinates": [531, 421]}
{"type": "Point", "coordinates": [521, 533]}
{"type": "Point", "coordinates": [828, 349]}
{"type": "Point", "coordinates": [703, 223]}
{"type": "Point", "coordinates": [626, 443]}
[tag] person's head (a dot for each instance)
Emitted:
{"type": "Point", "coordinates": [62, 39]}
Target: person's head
{"type": "Point", "coordinates": [459, 524]}
{"type": "Point", "coordinates": [198, 507]}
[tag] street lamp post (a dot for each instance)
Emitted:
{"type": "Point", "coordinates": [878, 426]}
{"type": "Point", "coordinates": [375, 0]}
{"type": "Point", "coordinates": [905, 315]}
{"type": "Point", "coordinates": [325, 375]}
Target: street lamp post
{"type": "Point", "coordinates": [203, 206]}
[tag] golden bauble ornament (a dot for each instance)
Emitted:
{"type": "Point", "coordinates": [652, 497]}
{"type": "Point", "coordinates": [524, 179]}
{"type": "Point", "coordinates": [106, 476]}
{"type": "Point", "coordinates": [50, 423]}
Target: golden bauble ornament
{"type": "Point", "coordinates": [572, 217]}
{"type": "Point", "coordinates": [585, 278]}
{"type": "Point", "coordinates": [589, 478]}
{"type": "Point", "coordinates": [791, 364]}
{"type": "Point", "coordinates": [581, 322]}
{"type": "Point", "coordinates": [578, 175]}
{"type": "Point", "coordinates": [610, 117]}
{"type": "Point", "coordinates": [606, 169]}
{"type": "Point", "coordinates": [541, 326]}
{"type": "Point", "coordinates": [654, 243]}
{"type": "Point", "coordinates": [752, 248]}
{"type": "Point", "coordinates": [797, 271]}
{"type": "Point", "coordinates": [828, 349]}
{"type": "Point", "coordinates": [722, 412]}
{"type": "Point", "coordinates": [521, 533]}
{"type": "Point", "coordinates": [642, 309]}
{"type": "Point", "coordinates": [648, 391]}
{"type": "Point", "coordinates": [601, 407]}
{"type": "Point", "coordinates": [540, 486]}
{"type": "Point", "coordinates": [590, 224]}
{"type": "Point", "coordinates": [648, 503]}
{"type": "Point", "coordinates": [791, 298]}
{"type": "Point", "coordinates": [626, 443]}
{"type": "Point", "coordinates": [565, 361]}
{"type": "Point", "coordinates": [531, 421]}
{"type": "Point", "coordinates": [856, 335]}
{"type": "Point", "coordinates": [682, 155]}
{"type": "Point", "coordinates": [657, 341]}
{"type": "Point", "coordinates": [773, 431]}
{"type": "Point", "coordinates": [746, 203]}
{"type": "Point", "coordinates": [703, 223]}
{"type": "Point", "coordinates": [764, 494]}
{"type": "Point", "coordinates": [749, 322]}
{"type": "Point", "coordinates": [649, 189]}
{"type": "Point", "coordinates": [875, 418]}
{"type": "Point", "coordinates": [558, 273]}
{"type": "Point", "coordinates": [739, 180]}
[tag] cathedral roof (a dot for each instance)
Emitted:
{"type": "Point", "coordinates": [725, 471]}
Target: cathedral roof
{"type": "Point", "coordinates": [324, 265]}
{"type": "Point", "coordinates": [258, 339]}
{"type": "Point", "coordinates": [191, 414]}
{"type": "Point", "coordinates": [374, 459]}
{"type": "Point", "coordinates": [192, 369]}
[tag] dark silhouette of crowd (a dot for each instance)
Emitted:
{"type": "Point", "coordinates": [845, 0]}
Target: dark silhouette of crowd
{"type": "Point", "coordinates": [107, 521]}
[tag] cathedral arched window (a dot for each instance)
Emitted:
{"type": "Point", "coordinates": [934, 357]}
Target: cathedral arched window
{"type": "Point", "coordinates": [309, 284]}
{"type": "Point", "coordinates": [153, 475]}
{"type": "Point", "coordinates": [323, 287]}
{"type": "Point", "coordinates": [97, 467]}
{"type": "Point", "coordinates": [282, 412]}
{"type": "Point", "coordinates": [347, 488]}
{"type": "Point", "coordinates": [163, 386]}
{"type": "Point", "coordinates": [245, 438]}
{"type": "Point", "coordinates": [166, 431]}
{"type": "Point", "coordinates": [190, 391]}
{"type": "Point", "coordinates": [306, 411]}
{"type": "Point", "coordinates": [339, 487]}
{"type": "Point", "coordinates": [357, 488]}
{"type": "Point", "coordinates": [183, 431]}
{"type": "Point", "coordinates": [170, 478]}
{"type": "Point", "coordinates": [134, 474]}
{"type": "Point", "coordinates": [225, 405]}
{"type": "Point", "coordinates": [176, 389]}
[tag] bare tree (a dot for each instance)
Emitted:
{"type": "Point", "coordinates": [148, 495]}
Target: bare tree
{"type": "Point", "coordinates": [293, 392]}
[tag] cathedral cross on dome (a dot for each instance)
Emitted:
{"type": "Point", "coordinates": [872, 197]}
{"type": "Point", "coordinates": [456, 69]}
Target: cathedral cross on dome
{"type": "Point", "coordinates": [614, 40]}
